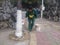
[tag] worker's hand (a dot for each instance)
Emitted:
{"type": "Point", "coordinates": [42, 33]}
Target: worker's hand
{"type": "Point", "coordinates": [24, 21]}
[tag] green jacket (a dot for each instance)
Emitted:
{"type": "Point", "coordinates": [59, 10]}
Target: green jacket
{"type": "Point", "coordinates": [31, 15]}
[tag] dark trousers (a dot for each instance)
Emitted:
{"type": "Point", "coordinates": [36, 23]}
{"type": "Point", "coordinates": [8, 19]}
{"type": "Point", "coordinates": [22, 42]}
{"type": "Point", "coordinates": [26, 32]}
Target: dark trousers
{"type": "Point", "coordinates": [30, 24]}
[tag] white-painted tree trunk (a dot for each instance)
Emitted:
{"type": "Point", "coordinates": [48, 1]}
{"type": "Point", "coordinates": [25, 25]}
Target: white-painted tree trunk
{"type": "Point", "coordinates": [19, 24]}
{"type": "Point", "coordinates": [42, 9]}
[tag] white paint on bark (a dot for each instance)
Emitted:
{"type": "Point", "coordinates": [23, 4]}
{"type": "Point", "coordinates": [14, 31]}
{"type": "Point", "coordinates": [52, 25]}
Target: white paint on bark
{"type": "Point", "coordinates": [19, 25]}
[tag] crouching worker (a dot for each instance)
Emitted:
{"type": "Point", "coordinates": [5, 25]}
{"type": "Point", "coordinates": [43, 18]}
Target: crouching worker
{"type": "Point", "coordinates": [31, 15]}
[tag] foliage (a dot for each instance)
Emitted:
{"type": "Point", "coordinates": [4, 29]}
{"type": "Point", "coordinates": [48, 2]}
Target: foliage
{"type": "Point", "coordinates": [14, 2]}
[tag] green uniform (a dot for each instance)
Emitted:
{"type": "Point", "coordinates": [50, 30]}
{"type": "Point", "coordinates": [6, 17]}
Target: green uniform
{"type": "Point", "coordinates": [31, 19]}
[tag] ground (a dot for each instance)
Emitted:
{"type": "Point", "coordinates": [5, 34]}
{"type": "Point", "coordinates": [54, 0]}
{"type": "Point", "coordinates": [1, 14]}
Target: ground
{"type": "Point", "coordinates": [49, 34]}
